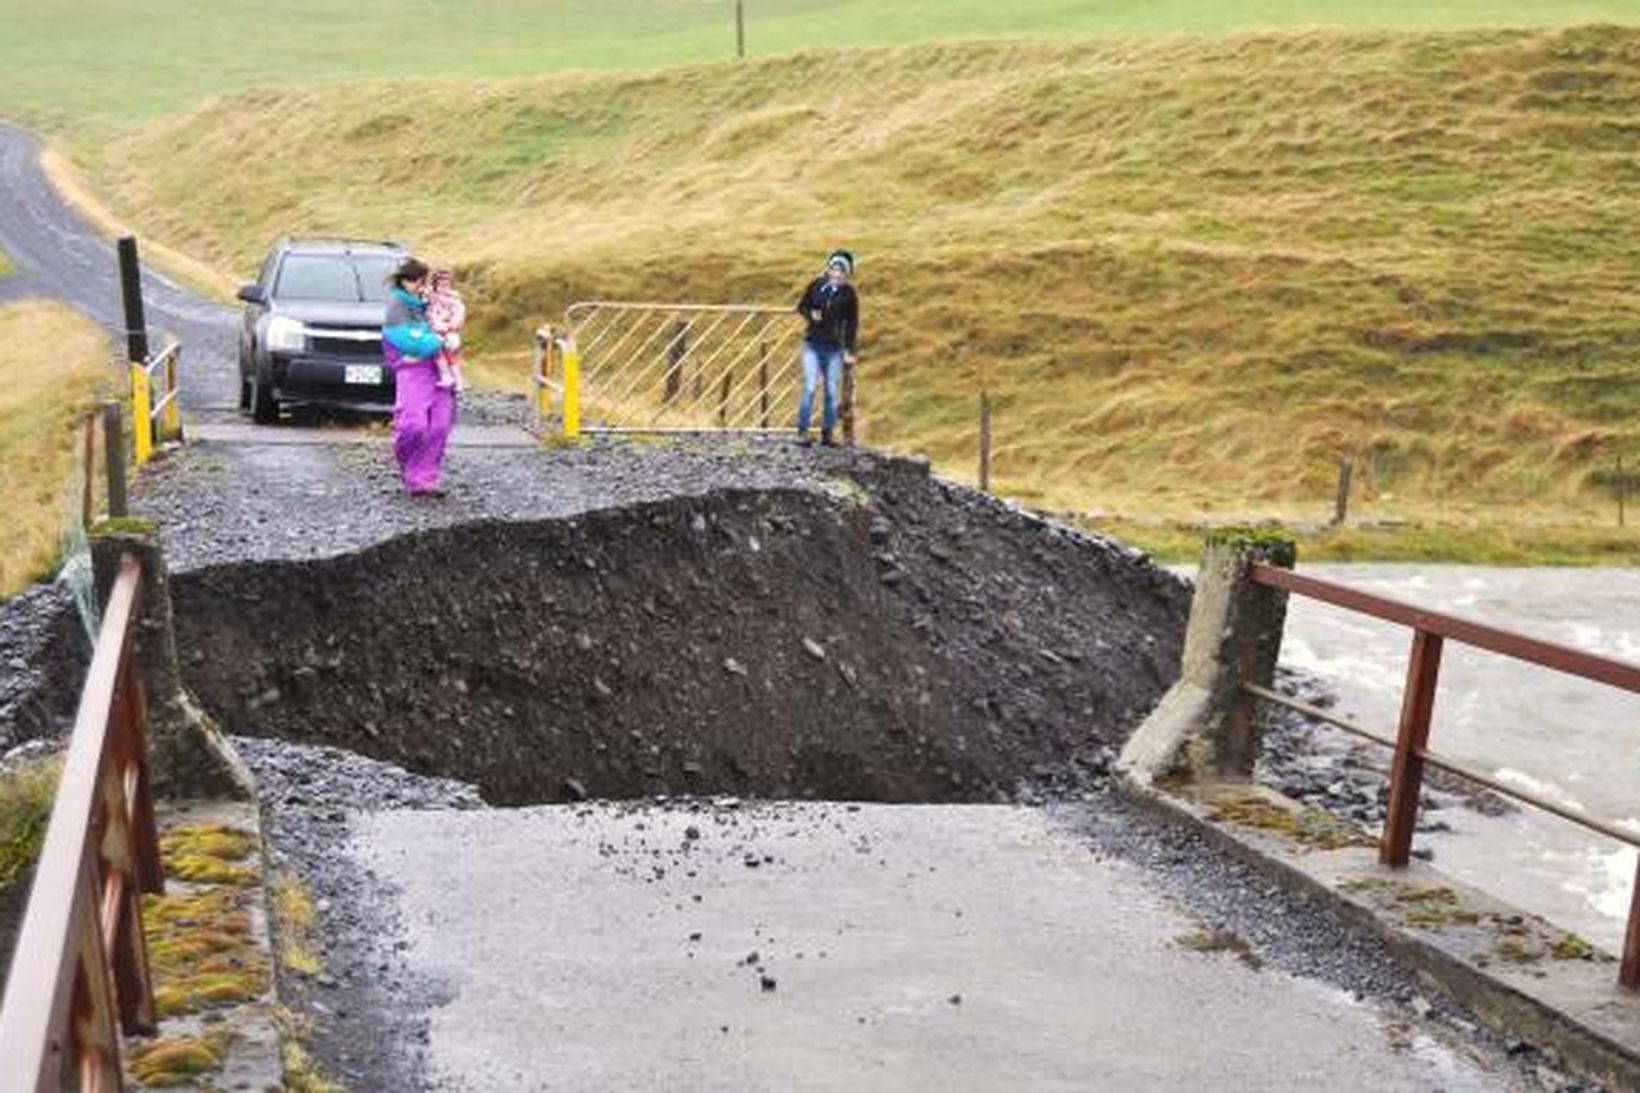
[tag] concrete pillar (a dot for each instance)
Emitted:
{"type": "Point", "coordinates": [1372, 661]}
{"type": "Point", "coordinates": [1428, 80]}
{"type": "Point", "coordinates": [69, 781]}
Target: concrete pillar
{"type": "Point", "coordinates": [188, 757]}
{"type": "Point", "coordinates": [1204, 729]}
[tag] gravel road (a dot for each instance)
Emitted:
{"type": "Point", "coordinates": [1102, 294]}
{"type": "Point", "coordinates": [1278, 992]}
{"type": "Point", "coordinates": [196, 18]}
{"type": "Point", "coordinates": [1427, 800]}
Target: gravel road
{"type": "Point", "coordinates": [61, 257]}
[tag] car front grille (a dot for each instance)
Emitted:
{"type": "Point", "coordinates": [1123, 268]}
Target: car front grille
{"type": "Point", "coordinates": [360, 345]}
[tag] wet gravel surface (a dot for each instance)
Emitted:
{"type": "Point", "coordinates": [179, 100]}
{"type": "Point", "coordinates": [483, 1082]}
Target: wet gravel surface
{"type": "Point", "coordinates": [363, 997]}
{"type": "Point", "coordinates": [220, 503]}
{"type": "Point", "coordinates": [367, 996]}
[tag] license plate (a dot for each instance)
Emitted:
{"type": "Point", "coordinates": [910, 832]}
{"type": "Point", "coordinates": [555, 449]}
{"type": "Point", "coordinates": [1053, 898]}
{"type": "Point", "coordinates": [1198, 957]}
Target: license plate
{"type": "Point", "coordinates": [370, 374]}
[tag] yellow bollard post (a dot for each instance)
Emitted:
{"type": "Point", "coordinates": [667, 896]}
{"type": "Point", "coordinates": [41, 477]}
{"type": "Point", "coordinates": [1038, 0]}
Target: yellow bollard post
{"type": "Point", "coordinates": [572, 390]}
{"type": "Point", "coordinates": [543, 372]}
{"type": "Point", "coordinates": [173, 408]}
{"type": "Point", "coordinates": [142, 415]}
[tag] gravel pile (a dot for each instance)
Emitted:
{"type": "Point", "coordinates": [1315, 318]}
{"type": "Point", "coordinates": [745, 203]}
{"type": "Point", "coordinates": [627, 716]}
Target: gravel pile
{"type": "Point", "coordinates": [43, 656]}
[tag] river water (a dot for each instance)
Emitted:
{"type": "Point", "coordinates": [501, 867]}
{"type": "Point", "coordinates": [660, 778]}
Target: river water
{"type": "Point", "coordinates": [1573, 741]}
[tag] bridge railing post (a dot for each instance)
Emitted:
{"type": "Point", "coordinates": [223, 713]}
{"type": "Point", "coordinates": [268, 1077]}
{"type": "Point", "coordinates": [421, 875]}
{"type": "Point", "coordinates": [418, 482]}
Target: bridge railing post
{"type": "Point", "coordinates": [1204, 728]}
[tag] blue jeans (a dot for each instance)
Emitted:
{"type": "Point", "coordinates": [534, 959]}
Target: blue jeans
{"type": "Point", "coordinates": [816, 361]}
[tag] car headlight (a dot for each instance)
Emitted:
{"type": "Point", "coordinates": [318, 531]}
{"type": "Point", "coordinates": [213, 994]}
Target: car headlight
{"type": "Point", "coordinates": [286, 335]}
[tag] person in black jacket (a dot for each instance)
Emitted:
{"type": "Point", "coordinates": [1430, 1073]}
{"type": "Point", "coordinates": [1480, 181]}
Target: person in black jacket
{"type": "Point", "coordinates": [832, 311]}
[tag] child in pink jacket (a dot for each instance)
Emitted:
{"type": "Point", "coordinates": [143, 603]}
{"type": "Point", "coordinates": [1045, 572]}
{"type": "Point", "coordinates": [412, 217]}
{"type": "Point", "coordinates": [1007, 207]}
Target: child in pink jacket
{"type": "Point", "coordinates": [446, 316]}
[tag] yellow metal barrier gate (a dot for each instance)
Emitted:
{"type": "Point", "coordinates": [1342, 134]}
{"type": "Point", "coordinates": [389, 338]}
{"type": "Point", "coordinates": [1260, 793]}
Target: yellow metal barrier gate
{"type": "Point", "coordinates": [663, 368]}
{"type": "Point", "coordinates": [156, 413]}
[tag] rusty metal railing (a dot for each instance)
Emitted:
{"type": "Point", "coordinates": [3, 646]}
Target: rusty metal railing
{"type": "Point", "coordinates": [80, 974]}
{"type": "Point", "coordinates": [617, 367]}
{"type": "Point", "coordinates": [1430, 631]}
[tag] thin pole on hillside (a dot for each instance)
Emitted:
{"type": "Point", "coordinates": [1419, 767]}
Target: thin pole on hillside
{"type": "Point", "coordinates": [740, 28]}
{"type": "Point", "coordinates": [1622, 495]}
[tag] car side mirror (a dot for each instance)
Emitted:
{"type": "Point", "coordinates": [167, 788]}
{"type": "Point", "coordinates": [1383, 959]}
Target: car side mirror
{"type": "Point", "coordinates": [251, 294]}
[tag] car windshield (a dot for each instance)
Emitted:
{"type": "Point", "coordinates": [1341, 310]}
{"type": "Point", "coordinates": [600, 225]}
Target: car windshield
{"type": "Point", "coordinates": [374, 270]}
{"type": "Point", "coordinates": [340, 278]}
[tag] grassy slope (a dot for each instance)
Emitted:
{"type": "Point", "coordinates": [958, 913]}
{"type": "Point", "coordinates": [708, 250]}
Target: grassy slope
{"type": "Point", "coordinates": [1197, 270]}
{"type": "Point", "coordinates": [51, 366]}
{"type": "Point", "coordinates": [88, 63]}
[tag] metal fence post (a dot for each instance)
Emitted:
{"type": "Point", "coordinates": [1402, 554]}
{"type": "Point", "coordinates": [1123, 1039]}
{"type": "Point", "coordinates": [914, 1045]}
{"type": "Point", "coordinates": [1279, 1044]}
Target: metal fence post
{"type": "Point", "coordinates": [1407, 773]}
{"type": "Point", "coordinates": [173, 394]}
{"type": "Point", "coordinates": [114, 456]}
{"type": "Point", "coordinates": [763, 384]}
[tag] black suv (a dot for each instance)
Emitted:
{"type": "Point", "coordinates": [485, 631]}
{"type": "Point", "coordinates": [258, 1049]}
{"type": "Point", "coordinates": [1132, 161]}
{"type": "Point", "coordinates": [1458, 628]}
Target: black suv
{"type": "Point", "coordinates": [313, 327]}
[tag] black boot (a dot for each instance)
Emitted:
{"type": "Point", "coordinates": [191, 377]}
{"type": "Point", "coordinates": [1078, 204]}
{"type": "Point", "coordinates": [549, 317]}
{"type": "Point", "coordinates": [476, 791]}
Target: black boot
{"type": "Point", "coordinates": [804, 439]}
{"type": "Point", "coordinates": [826, 438]}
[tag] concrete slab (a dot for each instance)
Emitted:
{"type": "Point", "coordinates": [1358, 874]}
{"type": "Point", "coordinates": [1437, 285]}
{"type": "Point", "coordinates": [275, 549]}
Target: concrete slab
{"type": "Point", "coordinates": [1524, 975]}
{"type": "Point", "coordinates": [239, 432]}
{"type": "Point", "coordinates": [831, 948]}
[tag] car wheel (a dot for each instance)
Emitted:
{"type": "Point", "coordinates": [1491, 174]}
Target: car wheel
{"type": "Point", "coordinates": [264, 407]}
{"type": "Point", "coordinates": [244, 395]}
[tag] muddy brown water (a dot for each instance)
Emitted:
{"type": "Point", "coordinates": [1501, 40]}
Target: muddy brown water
{"type": "Point", "coordinates": [896, 640]}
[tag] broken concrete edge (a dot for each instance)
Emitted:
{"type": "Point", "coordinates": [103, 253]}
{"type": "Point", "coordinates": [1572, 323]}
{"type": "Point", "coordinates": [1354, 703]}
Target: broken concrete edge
{"type": "Point", "coordinates": [1204, 726]}
{"type": "Point", "coordinates": [1594, 1027]}
{"type": "Point", "coordinates": [188, 758]}
{"type": "Point", "coordinates": [251, 1033]}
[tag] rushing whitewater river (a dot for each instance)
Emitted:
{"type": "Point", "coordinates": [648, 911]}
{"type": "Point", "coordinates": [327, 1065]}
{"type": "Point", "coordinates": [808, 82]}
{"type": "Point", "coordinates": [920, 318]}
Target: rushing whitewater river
{"type": "Point", "coordinates": [1573, 741]}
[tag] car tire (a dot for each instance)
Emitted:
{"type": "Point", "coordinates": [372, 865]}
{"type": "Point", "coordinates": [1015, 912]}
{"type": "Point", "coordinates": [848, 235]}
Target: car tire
{"type": "Point", "coordinates": [244, 395]}
{"type": "Point", "coordinates": [264, 407]}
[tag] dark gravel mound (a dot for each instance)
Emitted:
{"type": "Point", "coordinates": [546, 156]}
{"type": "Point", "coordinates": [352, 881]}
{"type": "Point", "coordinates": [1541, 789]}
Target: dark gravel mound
{"type": "Point", "coordinates": [43, 657]}
{"type": "Point", "coordinates": [889, 637]}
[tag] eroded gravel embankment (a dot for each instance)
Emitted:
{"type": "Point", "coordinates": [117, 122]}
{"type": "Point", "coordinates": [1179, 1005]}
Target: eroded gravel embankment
{"type": "Point", "coordinates": [865, 633]}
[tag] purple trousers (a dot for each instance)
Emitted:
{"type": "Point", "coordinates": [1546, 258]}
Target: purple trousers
{"type": "Point", "coordinates": [423, 415]}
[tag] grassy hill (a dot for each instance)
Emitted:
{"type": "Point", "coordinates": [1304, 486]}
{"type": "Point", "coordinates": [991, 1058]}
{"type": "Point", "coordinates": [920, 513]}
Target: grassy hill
{"type": "Point", "coordinates": [86, 65]}
{"type": "Point", "coordinates": [53, 364]}
{"type": "Point", "coordinates": [1197, 270]}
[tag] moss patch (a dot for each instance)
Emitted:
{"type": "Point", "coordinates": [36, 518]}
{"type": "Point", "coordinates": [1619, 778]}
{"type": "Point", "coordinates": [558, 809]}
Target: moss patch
{"type": "Point", "coordinates": [175, 1061]}
{"type": "Point", "coordinates": [1310, 826]}
{"type": "Point", "coordinates": [200, 941]}
{"type": "Point", "coordinates": [124, 525]}
{"type": "Point", "coordinates": [1220, 941]}
{"type": "Point", "coordinates": [201, 951]}
{"type": "Point", "coordinates": [208, 854]}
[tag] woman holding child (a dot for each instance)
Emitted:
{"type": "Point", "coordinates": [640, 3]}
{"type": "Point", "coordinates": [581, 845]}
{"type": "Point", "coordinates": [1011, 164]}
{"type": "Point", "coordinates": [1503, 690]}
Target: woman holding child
{"type": "Point", "coordinates": [424, 355]}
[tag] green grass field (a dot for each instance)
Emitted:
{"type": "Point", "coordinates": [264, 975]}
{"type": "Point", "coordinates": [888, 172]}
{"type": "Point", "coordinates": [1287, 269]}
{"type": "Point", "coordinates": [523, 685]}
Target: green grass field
{"type": "Point", "coordinates": [1198, 253]}
{"type": "Point", "coordinates": [85, 65]}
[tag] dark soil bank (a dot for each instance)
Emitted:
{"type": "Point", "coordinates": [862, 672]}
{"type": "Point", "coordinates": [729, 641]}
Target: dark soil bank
{"type": "Point", "coordinates": [893, 638]}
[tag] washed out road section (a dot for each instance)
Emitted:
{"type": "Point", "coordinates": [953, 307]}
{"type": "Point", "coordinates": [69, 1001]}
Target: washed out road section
{"type": "Point", "coordinates": [831, 948]}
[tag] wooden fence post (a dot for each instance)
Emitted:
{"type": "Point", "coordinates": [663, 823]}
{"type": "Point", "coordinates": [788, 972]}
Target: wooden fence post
{"type": "Point", "coordinates": [1341, 505]}
{"type": "Point", "coordinates": [114, 456]}
{"type": "Point", "coordinates": [740, 28]}
{"type": "Point", "coordinates": [984, 441]}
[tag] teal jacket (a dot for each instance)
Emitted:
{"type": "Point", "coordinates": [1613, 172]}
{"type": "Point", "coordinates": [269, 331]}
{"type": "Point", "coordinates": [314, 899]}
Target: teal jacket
{"type": "Point", "coordinates": [406, 337]}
